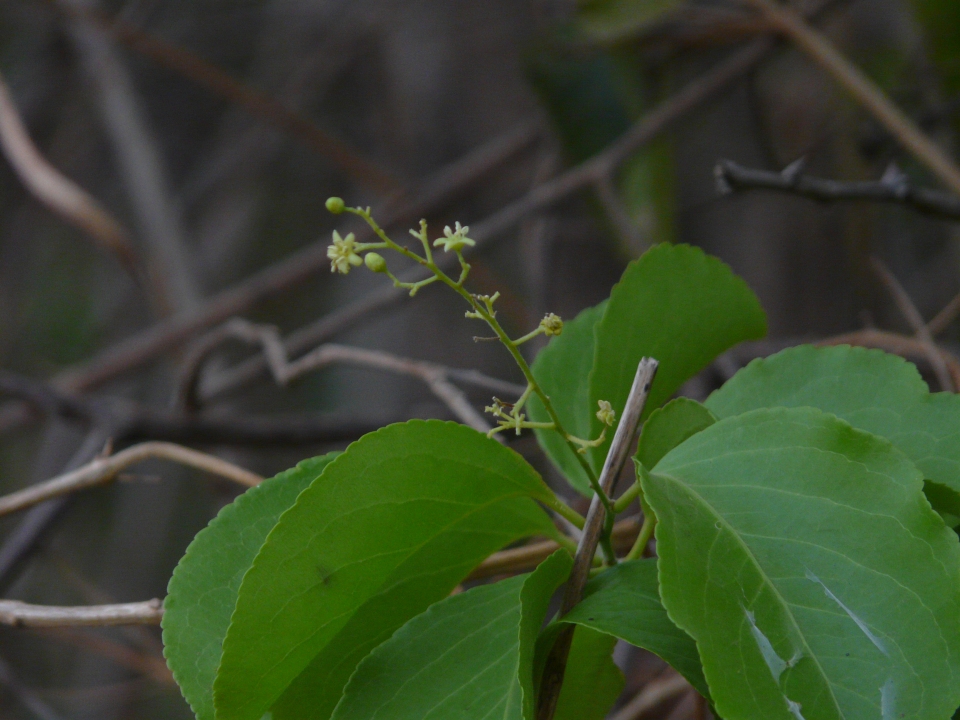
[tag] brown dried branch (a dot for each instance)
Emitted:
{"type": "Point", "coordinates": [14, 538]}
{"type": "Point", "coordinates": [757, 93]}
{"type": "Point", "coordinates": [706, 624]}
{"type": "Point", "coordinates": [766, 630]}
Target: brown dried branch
{"type": "Point", "coordinates": [947, 315]}
{"type": "Point", "coordinates": [436, 377]}
{"type": "Point", "coordinates": [623, 441]}
{"type": "Point", "coordinates": [59, 193]}
{"type": "Point", "coordinates": [105, 469]}
{"type": "Point", "coordinates": [258, 104]}
{"type": "Point", "coordinates": [527, 557]}
{"type": "Point", "coordinates": [893, 187]}
{"type": "Point", "coordinates": [864, 90]}
{"type": "Point", "coordinates": [21, 615]}
{"type": "Point", "coordinates": [652, 696]}
{"type": "Point", "coordinates": [152, 666]}
{"type": "Point", "coordinates": [916, 321]}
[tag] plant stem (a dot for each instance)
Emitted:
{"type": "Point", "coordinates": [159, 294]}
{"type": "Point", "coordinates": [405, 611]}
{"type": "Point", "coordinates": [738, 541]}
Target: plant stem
{"type": "Point", "coordinates": [646, 531]}
{"type": "Point", "coordinates": [565, 511]}
{"type": "Point", "coordinates": [631, 494]}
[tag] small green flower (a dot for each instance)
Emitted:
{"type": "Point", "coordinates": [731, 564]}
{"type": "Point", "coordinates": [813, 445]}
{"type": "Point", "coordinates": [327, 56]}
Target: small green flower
{"type": "Point", "coordinates": [335, 205]}
{"type": "Point", "coordinates": [343, 253]}
{"type": "Point", "coordinates": [375, 262]}
{"type": "Point", "coordinates": [552, 325]}
{"type": "Point", "coordinates": [454, 239]}
{"type": "Point", "coordinates": [605, 414]}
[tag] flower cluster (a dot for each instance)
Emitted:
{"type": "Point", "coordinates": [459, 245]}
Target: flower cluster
{"type": "Point", "coordinates": [552, 325]}
{"type": "Point", "coordinates": [606, 413]}
{"type": "Point", "coordinates": [455, 240]}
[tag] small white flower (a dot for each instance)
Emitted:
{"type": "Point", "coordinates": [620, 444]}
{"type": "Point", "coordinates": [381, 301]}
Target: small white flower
{"type": "Point", "coordinates": [454, 239]}
{"type": "Point", "coordinates": [343, 253]}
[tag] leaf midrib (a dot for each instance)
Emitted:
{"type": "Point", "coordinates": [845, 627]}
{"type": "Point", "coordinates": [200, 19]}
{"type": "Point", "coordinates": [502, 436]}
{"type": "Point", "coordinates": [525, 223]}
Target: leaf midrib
{"type": "Point", "coordinates": [776, 591]}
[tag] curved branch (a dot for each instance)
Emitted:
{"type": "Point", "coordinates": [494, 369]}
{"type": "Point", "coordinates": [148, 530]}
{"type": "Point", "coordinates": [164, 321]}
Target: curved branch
{"type": "Point", "coordinates": [103, 470]}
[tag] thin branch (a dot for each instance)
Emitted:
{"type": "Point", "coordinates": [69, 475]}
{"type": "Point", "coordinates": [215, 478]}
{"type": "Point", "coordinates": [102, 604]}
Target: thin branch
{"type": "Point", "coordinates": [152, 666]}
{"type": "Point", "coordinates": [258, 104]}
{"type": "Point", "coordinates": [652, 696]}
{"type": "Point", "coordinates": [916, 321]}
{"type": "Point", "coordinates": [23, 615]}
{"type": "Point", "coordinates": [105, 469]}
{"type": "Point", "coordinates": [947, 315]}
{"type": "Point", "coordinates": [527, 557]}
{"type": "Point", "coordinates": [893, 187]}
{"type": "Point", "coordinates": [865, 90]}
{"type": "Point", "coordinates": [284, 371]}
{"type": "Point", "coordinates": [59, 193]}
{"type": "Point", "coordinates": [623, 441]}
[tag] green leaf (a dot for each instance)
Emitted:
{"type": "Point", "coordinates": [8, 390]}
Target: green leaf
{"type": "Point", "coordinates": [803, 558]}
{"type": "Point", "coordinates": [203, 590]}
{"type": "Point", "coordinates": [870, 389]}
{"type": "Point", "coordinates": [669, 426]}
{"type": "Point", "coordinates": [625, 602]}
{"type": "Point", "coordinates": [469, 656]}
{"type": "Point", "coordinates": [392, 525]}
{"type": "Point", "coordinates": [675, 304]}
{"type": "Point", "coordinates": [562, 369]}
{"type": "Point", "coordinates": [592, 681]}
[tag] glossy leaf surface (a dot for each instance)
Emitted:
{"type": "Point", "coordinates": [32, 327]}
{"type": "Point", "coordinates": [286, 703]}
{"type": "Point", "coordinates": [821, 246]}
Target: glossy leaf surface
{"type": "Point", "coordinates": [203, 590]}
{"type": "Point", "coordinates": [391, 527]}
{"type": "Point", "coordinates": [469, 656]}
{"type": "Point", "coordinates": [675, 304]}
{"type": "Point", "coordinates": [802, 556]}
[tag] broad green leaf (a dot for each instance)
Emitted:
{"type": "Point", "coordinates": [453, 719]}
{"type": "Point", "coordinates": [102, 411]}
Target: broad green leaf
{"type": "Point", "coordinates": [392, 525]}
{"type": "Point", "coordinates": [609, 21]}
{"type": "Point", "coordinates": [203, 590]}
{"type": "Point", "coordinates": [562, 369]}
{"type": "Point", "coordinates": [592, 681]}
{"type": "Point", "coordinates": [469, 656]}
{"type": "Point", "coordinates": [870, 389]}
{"type": "Point", "coordinates": [803, 558]}
{"type": "Point", "coordinates": [675, 304]}
{"type": "Point", "coordinates": [669, 426]}
{"type": "Point", "coordinates": [625, 602]}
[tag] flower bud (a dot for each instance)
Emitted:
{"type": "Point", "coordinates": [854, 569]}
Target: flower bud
{"type": "Point", "coordinates": [606, 413]}
{"type": "Point", "coordinates": [375, 262]}
{"type": "Point", "coordinates": [335, 205]}
{"type": "Point", "coordinates": [552, 325]}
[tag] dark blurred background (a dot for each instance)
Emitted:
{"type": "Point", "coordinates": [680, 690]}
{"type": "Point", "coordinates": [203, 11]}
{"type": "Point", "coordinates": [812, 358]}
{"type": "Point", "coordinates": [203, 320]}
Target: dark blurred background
{"type": "Point", "coordinates": [212, 131]}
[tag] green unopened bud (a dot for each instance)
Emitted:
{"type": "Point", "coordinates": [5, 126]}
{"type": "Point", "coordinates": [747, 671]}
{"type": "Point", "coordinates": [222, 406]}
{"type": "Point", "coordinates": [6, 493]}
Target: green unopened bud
{"type": "Point", "coordinates": [606, 414]}
{"type": "Point", "coordinates": [335, 205]}
{"type": "Point", "coordinates": [552, 325]}
{"type": "Point", "coordinates": [375, 262]}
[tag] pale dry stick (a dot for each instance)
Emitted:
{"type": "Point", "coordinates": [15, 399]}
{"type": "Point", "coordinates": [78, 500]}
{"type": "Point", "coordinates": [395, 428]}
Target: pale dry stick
{"type": "Point", "coordinates": [916, 321]}
{"type": "Point", "coordinates": [893, 187]}
{"type": "Point", "coordinates": [105, 469]}
{"type": "Point", "coordinates": [284, 371]}
{"type": "Point", "coordinates": [23, 615]}
{"type": "Point", "coordinates": [863, 89]}
{"type": "Point", "coordinates": [526, 557]}
{"type": "Point", "coordinates": [56, 191]}
{"type": "Point", "coordinates": [623, 441]}
{"type": "Point", "coordinates": [651, 697]}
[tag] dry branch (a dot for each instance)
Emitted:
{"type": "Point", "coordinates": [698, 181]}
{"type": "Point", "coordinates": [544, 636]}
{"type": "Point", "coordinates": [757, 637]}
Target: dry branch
{"type": "Point", "coordinates": [652, 695]}
{"type": "Point", "coordinates": [863, 89]}
{"type": "Point", "coordinates": [284, 371]}
{"type": "Point", "coordinates": [893, 187]}
{"type": "Point", "coordinates": [917, 323]}
{"type": "Point", "coordinates": [104, 469]}
{"type": "Point", "coordinates": [623, 441]}
{"type": "Point", "coordinates": [23, 615]}
{"type": "Point", "coordinates": [57, 192]}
